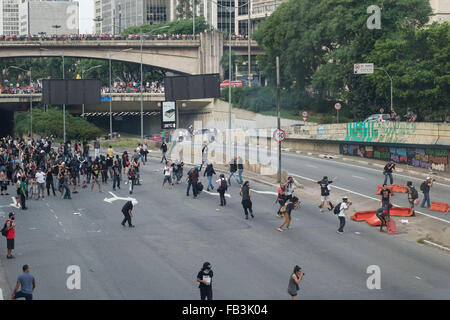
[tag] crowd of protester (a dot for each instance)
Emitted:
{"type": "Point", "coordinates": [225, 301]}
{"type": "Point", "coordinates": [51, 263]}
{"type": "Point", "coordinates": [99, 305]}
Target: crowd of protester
{"type": "Point", "coordinates": [28, 167]}
{"type": "Point", "coordinates": [134, 87]}
{"type": "Point", "coordinates": [78, 37]}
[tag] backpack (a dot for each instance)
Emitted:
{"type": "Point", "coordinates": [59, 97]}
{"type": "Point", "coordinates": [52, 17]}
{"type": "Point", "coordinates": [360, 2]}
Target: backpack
{"type": "Point", "coordinates": [283, 209]}
{"type": "Point", "coordinates": [414, 193]}
{"type": "Point", "coordinates": [337, 209]}
{"type": "Point", "coordinates": [422, 186]}
{"type": "Point", "coordinates": [200, 187]}
{"type": "Point", "coordinates": [4, 231]}
{"type": "Point", "coordinates": [223, 184]}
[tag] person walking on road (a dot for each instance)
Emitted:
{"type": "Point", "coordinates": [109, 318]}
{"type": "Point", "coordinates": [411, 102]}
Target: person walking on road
{"type": "Point", "coordinates": [293, 205]}
{"type": "Point", "coordinates": [289, 188]}
{"type": "Point", "coordinates": [132, 175]}
{"type": "Point", "coordinates": [204, 277]}
{"type": "Point", "coordinates": [168, 174]}
{"type": "Point", "coordinates": [344, 205]}
{"type": "Point", "coordinates": [209, 171]}
{"type": "Point", "coordinates": [246, 199]}
{"type": "Point", "coordinates": [425, 188]}
{"type": "Point", "coordinates": [192, 180]}
{"type": "Point", "coordinates": [95, 173]}
{"type": "Point", "coordinates": [163, 149]}
{"type": "Point", "coordinates": [97, 148]}
{"type": "Point", "coordinates": [10, 228]}
{"type": "Point", "coordinates": [281, 199]}
{"type": "Point", "coordinates": [413, 196]}
{"type": "Point", "coordinates": [294, 282]}
{"type": "Point", "coordinates": [127, 211]}
{"type": "Point", "coordinates": [240, 167]}
{"type": "Point", "coordinates": [26, 283]}
{"type": "Point", "coordinates": [116, 173]}
{"type": "Point", "coordinates": [385, 196]}
{"type": "Point", "coordinates": [387, 171]}
{"type": "Point", "coordinates": [233, 170]}
{"type": "Point", "coordinates": [223, 186]}
{"type": "Point", "coordinates": [325, 192]}
{"type": "Point", "coordinates": [204, 155]}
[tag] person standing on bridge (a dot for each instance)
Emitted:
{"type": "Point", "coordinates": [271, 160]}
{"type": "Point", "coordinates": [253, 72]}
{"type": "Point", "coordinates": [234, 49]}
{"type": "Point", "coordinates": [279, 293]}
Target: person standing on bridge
{"type": "Point", "coordinates": [325, 192]}
{"type": "Point", "coordinates": [388, 168]}
{"type": "Point", "coordinates": [127, 211]}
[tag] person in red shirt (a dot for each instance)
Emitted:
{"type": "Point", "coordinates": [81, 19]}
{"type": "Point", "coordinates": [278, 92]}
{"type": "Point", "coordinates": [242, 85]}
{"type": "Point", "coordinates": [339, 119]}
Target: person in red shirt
{"type": "Point", "coordinates": [11, 229]}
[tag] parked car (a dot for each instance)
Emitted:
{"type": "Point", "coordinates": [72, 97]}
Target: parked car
{"type": "Point", "coordinates": [154, 137]}
{"type": "Point", "coordinates": [378, 118]}
{"type": "Point", "coordinates": [234, 84]}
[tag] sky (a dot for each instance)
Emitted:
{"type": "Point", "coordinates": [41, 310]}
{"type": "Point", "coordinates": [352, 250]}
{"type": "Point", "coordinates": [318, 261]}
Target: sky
{"type": "Point", "coordinates": [86, 16]}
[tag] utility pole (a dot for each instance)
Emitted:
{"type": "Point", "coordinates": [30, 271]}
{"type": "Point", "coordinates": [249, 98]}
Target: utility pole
{"type": "Point", "coordinates": [249, 26]}
{"type": "Point", "coordinates": [193, 19]}
{"type": "Point", "coordinates": [278, 119]}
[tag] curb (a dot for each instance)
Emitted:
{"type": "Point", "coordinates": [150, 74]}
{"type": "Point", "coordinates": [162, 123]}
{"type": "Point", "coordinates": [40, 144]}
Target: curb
{"type": "Point", "coordinates": [436, 245]}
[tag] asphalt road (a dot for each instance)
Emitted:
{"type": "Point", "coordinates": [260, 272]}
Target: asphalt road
{"type": "Point", "coordinates": [160, 258]}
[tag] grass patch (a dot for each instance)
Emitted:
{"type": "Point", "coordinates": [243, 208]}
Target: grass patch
{"type": "Point", "coordinates": [123, 142]}
{"type": "Point", "coordinates": [421, 240]}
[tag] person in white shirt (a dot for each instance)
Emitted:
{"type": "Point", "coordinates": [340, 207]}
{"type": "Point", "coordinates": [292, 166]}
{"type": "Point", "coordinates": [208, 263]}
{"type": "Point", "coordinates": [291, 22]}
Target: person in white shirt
{"type": "Point", "coordinates": [40, 178]}
{"type": "Point", "coordinates": [344, 205]}
{"type": "Point", "coordinates": [167, 174]}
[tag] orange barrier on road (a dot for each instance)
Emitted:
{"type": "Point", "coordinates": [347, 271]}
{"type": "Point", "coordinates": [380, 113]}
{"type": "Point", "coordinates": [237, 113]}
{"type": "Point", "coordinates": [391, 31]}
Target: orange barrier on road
{"type": "Point", "coordinates": [371, 218]}
{"type": "Point", "coordinates": [391, 227]}
{"type": "Point", "coordinates": [391, 188]}
{"type": "Point", "coordinates": [439, 206]}
{"type": "Point", "coordinates": [400, 188]}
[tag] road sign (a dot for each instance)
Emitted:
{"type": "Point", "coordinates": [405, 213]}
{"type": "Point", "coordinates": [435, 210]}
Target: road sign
{"type": "Point", "coordinates": [279, 135]}
{"type": "Point", "coordinates": [305, 115]}
{"type": "Point", "coordinates": [337, 106]}
{"type": "Point", "coordinates": [363, 68]}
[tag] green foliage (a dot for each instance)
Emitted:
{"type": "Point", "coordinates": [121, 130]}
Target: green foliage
{"type": "Point", "coordinates": [318, 41]}
{"type": "Point", "coordinates": [174, 27]}
{"type": "Point", "coordinates": [51, 122]}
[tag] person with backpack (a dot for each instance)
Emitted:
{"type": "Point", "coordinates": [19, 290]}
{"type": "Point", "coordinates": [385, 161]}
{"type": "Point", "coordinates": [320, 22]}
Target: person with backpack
{"type": "Point", "coordinates": [387, 171]}
{"type": "Point", "coordinates": [425, 188]}
{"type": "Point", "coordinates": [116, 172]}
{"type": "Point", "coordinates": [9, 231]}
{"type": "Point", "coordinates": [131, 178]}
{"type": "Point", "coordinates": [325, 192]}
{"type": "Point", "coordinates": [223, 186]}
{"type": "Point", "coordinates": [340, 211]}
{"type": "Point", "coordinates": [204, 277]}
{"type": "Point", "coordinates": [281, 199]}
{"type": "Point", "coordinates": [412, 196]}
{"type": "Point", "coordinates": [209, 171]}
{"type": "Point", "coordinates": [246, 199]}
{"type": "Point", "coordinates": [286, 210]}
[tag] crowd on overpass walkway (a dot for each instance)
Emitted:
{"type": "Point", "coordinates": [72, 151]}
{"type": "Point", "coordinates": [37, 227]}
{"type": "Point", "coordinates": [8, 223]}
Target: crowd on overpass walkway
{"type": "Point", "coordinates": [134, 87]}
{"type": "Point", "coordinates": [93, 37]}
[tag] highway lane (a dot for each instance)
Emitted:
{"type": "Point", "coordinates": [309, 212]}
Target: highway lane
{"type": "Point", "coordinates": [159, 259]}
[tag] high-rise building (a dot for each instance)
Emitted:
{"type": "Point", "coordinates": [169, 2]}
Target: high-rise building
{"type": "Point", "coordinates": [441, 10]}
{"type": "Point", "coordinates": [97, 16]}
{"type": "Point", "coordinates": [43, 16]}
{"type": "Point", "coordinates": [9, 17]}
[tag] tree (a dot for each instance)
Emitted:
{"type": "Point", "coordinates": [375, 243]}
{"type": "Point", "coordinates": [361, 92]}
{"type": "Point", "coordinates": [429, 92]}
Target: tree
{"type": "Point", "coordinates": [314, 38]}
{"type": "Point", "coordinates": [418, 62]}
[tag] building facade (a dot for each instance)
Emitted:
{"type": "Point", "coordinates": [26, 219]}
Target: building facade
{"type": "Point", "coordinates": [441, 10]}
{"type": "Point", "coordinates": [37, 17]}
{"type": "Point", "coordinates": [98, 16]}
{"type": "Point", "coordinates": [9, 17]}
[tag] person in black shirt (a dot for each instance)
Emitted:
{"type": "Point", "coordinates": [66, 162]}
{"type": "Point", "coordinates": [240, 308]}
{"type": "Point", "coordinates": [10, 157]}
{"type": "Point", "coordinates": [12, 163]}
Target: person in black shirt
{"type": "Point", "coordinates": [163, 148]}
{"type": "Point", "coordinates": [325, 192]}
{"type": "Point", "coordinates": [387, 171]}
{"type": "Point", "coordinates": [204, 277]}
{"type": "Point", "coordinates": [127, 211]}
{"type": "Point", "coordinates": [385, 195]}
{"type": "Point", "coordinates": [49, 181]}
{"type": "Point", "coordinates": [287, 214]}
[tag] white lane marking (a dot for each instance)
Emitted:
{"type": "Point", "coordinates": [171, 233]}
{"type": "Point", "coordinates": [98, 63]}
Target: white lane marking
{"type": "Point", "coordinates": [56, 217]}
{"type": "Point", "coordinates": [311, 166]}
{"type": "Point", "coordinates": [264, 192]}
{"type": "Point", "coordinates": [358, 177]}
{"type": "Point", "coordinates": [369, 197]}
{"type": "Point", "coordinates": [110, 200]}
{"type": "Point", "coordinates": [216, 193]}
{"type": "Point", "coordinates": [419, 278]}
{"type": "Point", "coordinates": [436, 245]}
{"type": "Point", "coordinates": [370, 169]}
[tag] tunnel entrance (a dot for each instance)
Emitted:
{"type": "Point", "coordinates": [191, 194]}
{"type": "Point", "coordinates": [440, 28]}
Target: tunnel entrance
{"type": "Point", "coordinates": [6, 123]}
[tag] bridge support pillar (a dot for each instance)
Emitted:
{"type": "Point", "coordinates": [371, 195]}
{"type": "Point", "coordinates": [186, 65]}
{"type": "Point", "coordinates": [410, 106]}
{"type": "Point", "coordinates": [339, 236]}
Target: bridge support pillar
{"type": "Point", "coordinates": [210, 52]}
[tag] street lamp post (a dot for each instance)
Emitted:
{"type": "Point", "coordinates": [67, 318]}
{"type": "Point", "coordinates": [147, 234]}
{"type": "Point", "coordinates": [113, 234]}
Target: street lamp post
{"type": "Point", "coordinates": [82, 77]}
{"type": "Point", "coordinates": [110, 55]}
{"type": "Point", "coordinates": [31, 97]}
{"type": "Point", "coordinates": [142, 81]}
{"type": "Point", "coordinates": [56, 26]}
{"type": "Point", "coordinates": [391, 85]}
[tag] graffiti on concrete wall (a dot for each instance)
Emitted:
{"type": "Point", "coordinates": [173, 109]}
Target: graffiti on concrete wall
{"type": "Point", "coordinates": [435, 159]}
{"type": "Point", "coordinates": [386, 131]}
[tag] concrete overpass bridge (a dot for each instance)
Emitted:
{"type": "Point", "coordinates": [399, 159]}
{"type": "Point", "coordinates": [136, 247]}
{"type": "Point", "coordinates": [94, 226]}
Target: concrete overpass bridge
{"type": "Point", "coordinates": [198, 56]}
